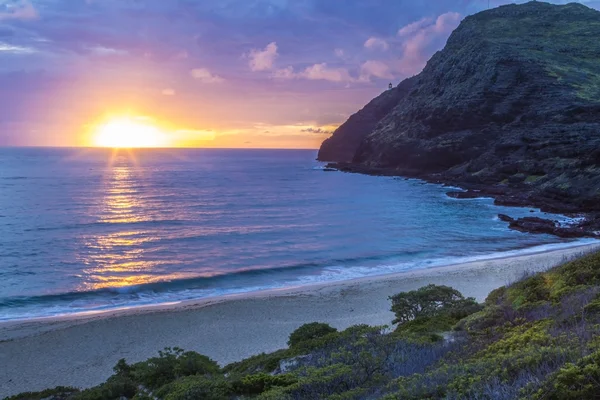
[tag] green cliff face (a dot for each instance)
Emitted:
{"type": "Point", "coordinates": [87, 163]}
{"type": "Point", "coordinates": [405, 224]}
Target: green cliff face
{"type": "Point", "coordinates": [513, 99]}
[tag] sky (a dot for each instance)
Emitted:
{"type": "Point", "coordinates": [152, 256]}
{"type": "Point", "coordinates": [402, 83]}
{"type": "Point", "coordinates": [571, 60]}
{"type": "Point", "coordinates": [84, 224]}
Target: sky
{"type": "Point", "coordinates": [209, 73]}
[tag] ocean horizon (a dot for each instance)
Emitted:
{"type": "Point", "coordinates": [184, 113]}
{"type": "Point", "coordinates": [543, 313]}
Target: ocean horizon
{"type": "Point", "coordinates": [88, 230]}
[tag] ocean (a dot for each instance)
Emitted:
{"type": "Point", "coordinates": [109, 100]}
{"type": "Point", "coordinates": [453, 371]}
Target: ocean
{"type": "Point", "coordinates": [88, 230]}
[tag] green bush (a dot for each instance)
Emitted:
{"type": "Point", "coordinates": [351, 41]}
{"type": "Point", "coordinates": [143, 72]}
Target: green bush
{"type": "Point", "coordinates": [583, 271]}
{"type": "Point", "coordinates": [496, 296]}
{"type": "Point", "coordinates": [261, 382]}
{"type": "Point", "coordinates": [428, 301]}
{"type": "Point", "coordinates": [259, 363]}
{"type": "Point", "coordinates": [424, 314]}
{"type": "Point", "coordinates": [196, 387]}
{"type": "Point", "coordinates": [58, 393]}
{"type": "Point", "coordinates": [114, 388]}
{"type": "Point", "coordinates": [309, 332]}
{"type": "Point", "coordinates": [168, 366]}
{"type": "Point", "coordinates": [426, 329]}
{"type": "Point", "coordinates": [574, 381]}
{"type": "Point", "coordinates": [530, 291]}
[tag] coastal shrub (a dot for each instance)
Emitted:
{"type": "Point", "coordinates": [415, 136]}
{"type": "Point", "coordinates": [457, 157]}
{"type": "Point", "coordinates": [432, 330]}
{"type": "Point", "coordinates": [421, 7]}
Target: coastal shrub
{"type": "Point", "coordinates": [426, 329]}
{"type": "Point", "coordinates": [428, 301]}
{"type": "Point", "coordinates": [57, 393]}
{"type": "Point", "coordinates": [335, 339]}
{"type": "Point", "coordinates": [574, 381]}
{"type": "Point", "coordinates": [425, 314]}
{"type": "Point", "coordinates": [496, 296]}
{"type": "Point", "coordinates": [259, 363]}
{"type": "Point", "coordinates": [593, 307]}
{"type": "Point", "coordinates": [583, 271]}
{"type": "Point", "coordinates": [486, 321]}
{"type": "Point", "coordinates": [277, 393]}
{"type": "Point", "coordinates": [321, 383]}
{"type": "Point", "coordinates": [115, 387]}
{"type": "Point", "coordinates": [310, 332]}
{"type": "Point", "coordinates": [196, 387]}
{"type": "Point", "coordinates": [172, 363]}
{"type": "Point", "coordinates": [261, 382]}
{"type": "Point", "coordinates": [530, 291]}
{"type": "Point", "coordinates": [141, 395]}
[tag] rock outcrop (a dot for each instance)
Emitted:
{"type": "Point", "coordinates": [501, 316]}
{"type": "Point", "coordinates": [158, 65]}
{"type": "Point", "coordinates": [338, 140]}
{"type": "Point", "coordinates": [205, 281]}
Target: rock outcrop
{"type": "Point", "coordinates": [343, 144]}
{"type": "Point", "coordinates": [510, 107]}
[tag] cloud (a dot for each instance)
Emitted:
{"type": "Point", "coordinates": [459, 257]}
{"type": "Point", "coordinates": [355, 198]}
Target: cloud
{"type": "Point", "coordinates": [339, 53]}
{"type": "Point", "coordinates": [168, 92]}
{"type": "Point", "coordinates": [374, 43]}
{"type": "Point", "coordinates": [323, 72]}
{"type": "Point", "coordinates": [8, 48]}
{"type": "Point", "coordinates": [318, 131]}
{"type": "Point", "coordinates": [107, 51]}
{"type": "Point", "coordinates": [316, 72]}
{"type": "Point", "coordinates": [422, 39]}
{"type": "Point", "coordinates": [378, 69]}
{"type": "Point", "coordinates": [21, 10]}
{"type": "Point", "coordinates": [262, 60]}
{"type": "Point", "coordinates": [205, 76]}
{"type": "Point", "coordinates": [415, 26]}
{"type": "Point", "coordinates": [285, 73]}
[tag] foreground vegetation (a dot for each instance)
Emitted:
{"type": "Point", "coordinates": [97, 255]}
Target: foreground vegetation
{"type": "Point", "coordinates": [534, 339]}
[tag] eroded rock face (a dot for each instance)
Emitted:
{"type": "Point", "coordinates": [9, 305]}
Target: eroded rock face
{"type": "Point", "coordinates": [540, 225]}
{"type": "Point", "coordinates": [512, 102]}
{"type": "Point", "coordinates": [342, 146]}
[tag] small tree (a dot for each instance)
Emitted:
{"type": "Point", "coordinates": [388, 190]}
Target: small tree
{"type": "Point", "coordinates": [308, 332]}
{"type": "Point", "coordinates": [428, 301]}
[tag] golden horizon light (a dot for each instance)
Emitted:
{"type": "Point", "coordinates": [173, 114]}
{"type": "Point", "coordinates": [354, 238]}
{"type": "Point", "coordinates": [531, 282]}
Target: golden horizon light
{"type": "Point", "coordinates": [129, 132]}
{"type": "Point", "coordinates": [132, 131]}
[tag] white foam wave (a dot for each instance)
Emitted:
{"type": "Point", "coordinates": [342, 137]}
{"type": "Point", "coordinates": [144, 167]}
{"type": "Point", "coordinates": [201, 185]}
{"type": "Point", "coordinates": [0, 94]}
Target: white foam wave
{"type": "Point", "coordinates": [336, 273]}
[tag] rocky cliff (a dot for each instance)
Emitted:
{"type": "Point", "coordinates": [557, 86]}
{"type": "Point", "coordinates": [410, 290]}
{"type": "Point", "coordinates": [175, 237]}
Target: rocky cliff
{"type": "Point", "coordinates": [511, 107]}
{"type": "Point", "coordinates": [346, 139]}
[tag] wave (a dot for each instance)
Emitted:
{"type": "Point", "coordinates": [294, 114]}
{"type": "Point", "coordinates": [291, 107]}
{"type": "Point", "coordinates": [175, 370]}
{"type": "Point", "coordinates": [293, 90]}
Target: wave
{"type": "Point", "coordinates": [237, 282]}
{"type": "Point", "coordinates": [187, 283]}
{"type": "Point", "coordinates": [107, 223]}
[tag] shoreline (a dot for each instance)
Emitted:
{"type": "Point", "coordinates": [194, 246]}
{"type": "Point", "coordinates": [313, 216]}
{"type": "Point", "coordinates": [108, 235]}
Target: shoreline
{"type": "Point", "coordinates": [430, 265]}
{"type": "Point", "coordinates": [517, 195]}
{"type": "Point", "coordinates": [66, 351]}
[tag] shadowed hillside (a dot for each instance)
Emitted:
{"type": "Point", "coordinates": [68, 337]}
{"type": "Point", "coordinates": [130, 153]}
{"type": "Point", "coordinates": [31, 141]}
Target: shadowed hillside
{"type": "Point", "coordinates": [511, 106]}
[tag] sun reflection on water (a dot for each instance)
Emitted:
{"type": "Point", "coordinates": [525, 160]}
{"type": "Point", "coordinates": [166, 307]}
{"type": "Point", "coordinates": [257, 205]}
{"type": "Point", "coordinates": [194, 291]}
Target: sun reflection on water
{"type": "Point", "coordinates": [118, 258]}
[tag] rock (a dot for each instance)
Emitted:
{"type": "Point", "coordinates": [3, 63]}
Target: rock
{"type": "Point", "coordinates": [290, 364]}
{"type": "Point", "coordinates": [533, 225]}
{"type": "Point", "coordinates": [540, 225]}
{"type": "Point", "coordinates": [464, 195]}
{"type": "Point", "coordinates": [505, 218]}
{"type": "Point", "coordinates": [342, 146]}
{"type": "Point", "coordinates": [509, 107]}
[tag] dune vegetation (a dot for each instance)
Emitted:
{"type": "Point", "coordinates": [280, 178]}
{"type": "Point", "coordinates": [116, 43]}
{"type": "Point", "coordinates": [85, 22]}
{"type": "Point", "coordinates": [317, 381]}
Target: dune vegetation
{"type": "Point", "coordinates": [534, 339]}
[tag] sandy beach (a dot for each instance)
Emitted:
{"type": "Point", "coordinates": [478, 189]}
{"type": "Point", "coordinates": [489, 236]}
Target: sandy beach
{"type": "Point", "coordinates": [81, 351]}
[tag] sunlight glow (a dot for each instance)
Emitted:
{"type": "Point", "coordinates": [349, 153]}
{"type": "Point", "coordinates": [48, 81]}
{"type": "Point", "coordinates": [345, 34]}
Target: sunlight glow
{"type": "Point", "coordinates": [127, 132]}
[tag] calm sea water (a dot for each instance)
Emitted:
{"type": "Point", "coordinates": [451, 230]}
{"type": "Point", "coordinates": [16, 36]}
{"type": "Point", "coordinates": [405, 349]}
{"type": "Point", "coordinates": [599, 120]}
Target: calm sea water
{"type": "Point", "coordinates": [88, 230]}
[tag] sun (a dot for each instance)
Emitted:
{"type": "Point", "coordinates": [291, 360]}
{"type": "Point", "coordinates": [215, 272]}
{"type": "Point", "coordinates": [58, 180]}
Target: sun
{"type": "Point", "coordinates": [127, 132]}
